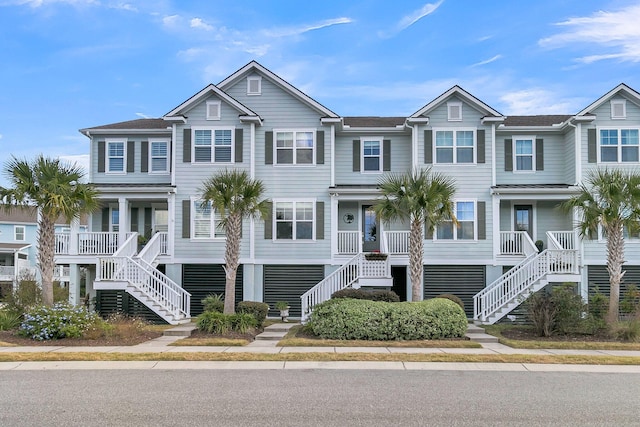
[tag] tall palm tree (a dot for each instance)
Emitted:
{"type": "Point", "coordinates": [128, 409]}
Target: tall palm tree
{"type": "Point", "coordinates": [421, 197]}
{"type": "Point", "coordinates": [234, 196]}
{"type": "Point", "coordinates": [55, 189]}
{"type": "Point", "coordinates": [610, 199]}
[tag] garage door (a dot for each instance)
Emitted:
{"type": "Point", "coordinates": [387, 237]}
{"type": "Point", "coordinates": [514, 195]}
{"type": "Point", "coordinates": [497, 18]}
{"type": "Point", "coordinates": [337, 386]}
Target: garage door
{"type": "Point", "coordinates": [463, 281]}
{"type": "Point", "coordinates": [201, 280]}
{"type": "Point", "coordinates": [288, 283]}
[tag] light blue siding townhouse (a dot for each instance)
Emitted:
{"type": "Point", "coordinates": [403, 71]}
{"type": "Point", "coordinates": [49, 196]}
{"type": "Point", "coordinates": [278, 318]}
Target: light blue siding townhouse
{"type": "Point", "coordinates": [155, 248]}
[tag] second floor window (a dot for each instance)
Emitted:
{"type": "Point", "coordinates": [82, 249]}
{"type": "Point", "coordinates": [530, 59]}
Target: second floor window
{"type": "Point", "coordinates": [159, 156]}
{"type": "Point", "coordinates": [454, 146]}
{"type": "Point", "coordinates": [619, 145]}
{"type": "Point", "coordinates": [212, 145]}
{"type": "Point", "coordinates": [466, 228]}
{"type": "Point", "coordinates": [372, 155]}
{"type": "Point", "coordinates": [294, 147]}
{"type": "Point", "coordinates": [294, 220]}
{"type": "Point", "coordinates": [116, 154]}
{"type": "Point", "coordinates": [523, 154]}
{"type": "Point", "coordinates": [19, 233]}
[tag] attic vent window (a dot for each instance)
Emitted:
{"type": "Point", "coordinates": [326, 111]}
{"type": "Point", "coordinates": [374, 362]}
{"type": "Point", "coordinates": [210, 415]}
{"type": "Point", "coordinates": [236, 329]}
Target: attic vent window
{"type": "Point", "coordinates": [454, 110]}
{"type": "Point", "coordinates": [618, 109]}
{"type": "Point", "coordinates": [254, 85]}
{"type": "Point", "coordinates": [213, 110]}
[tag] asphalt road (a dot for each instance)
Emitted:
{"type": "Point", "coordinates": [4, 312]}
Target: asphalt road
{"type": "Point", "coordinates": [316, 398]}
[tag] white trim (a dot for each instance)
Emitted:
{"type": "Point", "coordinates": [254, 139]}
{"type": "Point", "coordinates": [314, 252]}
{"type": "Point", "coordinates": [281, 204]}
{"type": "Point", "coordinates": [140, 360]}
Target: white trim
{"type": "Point", "coordinates": [454, 147]}
{"type": "Point", "coordinates": [618, 146]}
{"type": "Point", "coordinates": [615, 103]}
{"type": "Point", "coordinates": [107, 158]}
{"type": "Point", "coordinates": [630, 93]}
{"type": "Point", "coordinates": [379, 139]}
{"type": "Point", "coordinates": [533, 219]}
{"type": "Point", "coordinates": [531, 138]}
{"type": "Point", "coordinates": [213, 130]}
{"type": "Point", "coordinates": [457, 90]}
{"type": "Point", "coordinates": [218, 110]}
{"type": "Point", "coordinates": [150, 156]}
{"type": "Point", "coordinates": [293, 147]}
{"type": "Point", "coordinates": [452, 108]}
{"type": "Point", "coordinates": [198, 97]}
{"type": "Point", "coordinates": [251, 79]}
{"type": "Point", "coordinates": [294, 201]}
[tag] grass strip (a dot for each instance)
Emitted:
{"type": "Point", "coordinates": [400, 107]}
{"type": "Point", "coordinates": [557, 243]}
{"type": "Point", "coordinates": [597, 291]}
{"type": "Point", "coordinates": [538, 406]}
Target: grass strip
{"type": "Point", "coordinates": [324, 357]}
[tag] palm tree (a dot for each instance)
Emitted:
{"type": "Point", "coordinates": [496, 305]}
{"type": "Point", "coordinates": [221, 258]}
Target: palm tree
{"type": "Point", "coordinates": [55, 189]}
{"type": "Point", "coordinates": [610, 199]}
{"type": "Point", "coordinates": [234, 196]}
{"type": "Point", "coordinates": [421, 197]}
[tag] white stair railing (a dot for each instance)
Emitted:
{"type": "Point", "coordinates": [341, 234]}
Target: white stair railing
{"type": "Point", "coordinates": [561, 239]}
{"type": "Point", "coordinates": [520, 280]}
{"type": "Point", "coordinates": [156, 246]}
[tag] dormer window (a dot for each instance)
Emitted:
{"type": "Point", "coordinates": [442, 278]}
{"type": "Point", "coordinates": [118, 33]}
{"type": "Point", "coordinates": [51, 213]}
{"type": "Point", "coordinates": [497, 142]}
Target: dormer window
{"type": "Point", "coordinates": [254, 85]}
{"type": "Point", "coordinates": [618, 109]}
{"type": "Point", "coordinates": [213, 110]}
{"type": "Point", "coordinates": [454, 111]}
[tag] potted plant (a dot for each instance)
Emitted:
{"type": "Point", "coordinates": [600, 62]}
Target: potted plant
{"type": "Point", "coordinates": [283, 306]}
{"type": "Point", "coordinates": [539, 245]}
{"type": "Point", "coordinates": [375, 256]}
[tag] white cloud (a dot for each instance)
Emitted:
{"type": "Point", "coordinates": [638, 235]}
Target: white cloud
{"type": "Point", "coordinates": [142, 115]}
{"type": "Point", "coordinates": [39, 3]}
{"type": "Point", "coordinates": [0, 136]}
{"type": "Point", "coordinates": [123, 6]}
{"type": "Point", "coordinates": [417, 15]}
{"type": "Point", "coordinates": [171, 21]}
{"type": "Point", "coordinates": [200, 24]}
{"type": "Point", "coordinates": [487, 61]}
{"type": "Point", "coordinates": [618, 33]}
{"type": "Point", "coordinates": [536, 101]}
{"type": "Point", "coordinates": [293, 31]}
{"type": "Point", "coordinates": [81, 160]}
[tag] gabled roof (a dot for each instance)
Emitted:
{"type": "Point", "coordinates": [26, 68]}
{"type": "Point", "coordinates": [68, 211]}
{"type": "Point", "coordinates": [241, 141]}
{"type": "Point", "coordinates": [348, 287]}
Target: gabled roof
{"type": "Point", "coordinates": [539, 120]}
{"type": "Point", "coordinates": [457, 90]}
{"type": "Point", "coordinates": [297, 93]}
{"type": "Point", "coordinates": [138, 124]}
{"type": "Point", "coordinates": [629, 93]}
{"type": "Point", "coordinates": [204, 93]}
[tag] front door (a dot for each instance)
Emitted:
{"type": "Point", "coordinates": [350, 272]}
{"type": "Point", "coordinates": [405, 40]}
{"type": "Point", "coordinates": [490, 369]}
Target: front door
{"type": "Point", "coordinates": [523, 219]}
{"type": "Point", "coordinates": [370, 230]}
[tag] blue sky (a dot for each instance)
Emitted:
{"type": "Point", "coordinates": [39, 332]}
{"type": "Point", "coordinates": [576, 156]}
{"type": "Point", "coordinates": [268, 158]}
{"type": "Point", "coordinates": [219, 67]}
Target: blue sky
{"type": "Point", "coordinates": [70, 64]}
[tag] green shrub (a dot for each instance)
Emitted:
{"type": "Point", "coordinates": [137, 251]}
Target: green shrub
{"type": "Point", "coordinates": [569, 308]}
{"type": "Point", "coordinates": [453, 298]}
{"type": "Point", "coordinates": [60, 293]}
{"type": "Point", "coordinates": [9, 319]}
{"type": "Point", "coordinates": [630, 301]}
{"type": "Point", "coordinates": [377, 320]}
{"type": "Point", "coordinates": [626, 331]}
{"type": "Point", "coordinates": [213, 302]}
{"type": "Point", "coordinates": [58, 321]}
{"type": "Point", "coordinates": [598, 305]}
{"type": "Point", "coordinates": [258, 310]}
{"type": "Point", "coordinates": [27, 293]}
{"type": "Point", "coordinates": [372, 295]}
{"type": "Point", "coordinates": [542, 312]}
{"type": "Point", "coordinates": [218, 323]}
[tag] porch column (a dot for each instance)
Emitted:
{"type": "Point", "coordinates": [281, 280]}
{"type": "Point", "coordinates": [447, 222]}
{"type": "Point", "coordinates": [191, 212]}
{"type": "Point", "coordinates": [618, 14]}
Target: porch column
{"type": "Point", "coordinates": [247, 282]}
{"type": "Point", "coordinates": [91, 276]}
{"type": "Point", "coordinates": [74, 284]}
{"type": "Point", "coordinates": [123, 220]}
{"type": "Point", "coordinates": [495, 207]}
{"type": "Point", "coordinates": [583, 286]}
{"type": "Point", "coordinates": [334, 225]}
{"type": "Point", "coordinates": [171, 225]}
{"type": "Point", "coordinates": [73, 236]}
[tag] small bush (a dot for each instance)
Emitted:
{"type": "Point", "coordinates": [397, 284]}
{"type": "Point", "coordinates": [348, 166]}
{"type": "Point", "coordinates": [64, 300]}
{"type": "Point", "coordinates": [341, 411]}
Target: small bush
{"type": "Point", "coordinates": [26, 294]}
{"type": "Point", "coordinates": [377, 320]}
{"type": "Point", "coordinates": [453, 298]}
{"type": "Point", "coordinates": [213, 302]}
{"type": "Point", "coordinates": [598, 305]}
{"type": "Point", "coordinates": [60, 293]}
{"type": "Point", "coordinates": [59, 321]}
{"type": "Point", "coordinates": [9, 319]}
{"type": "Point", "coordinates": [542, 312]}
{"type": "Point", "coordinates": [569, 308]}
{"type": "Point", "coordinates": [218, 323]}
{"type": "Point", "coordinates": [243, 322]}
{"type": "Point", "coordinates": [630, 302]}
{"type": "Point", "coordinates": [626, 331]}
{"type": "Point", "coordinates": [372, 295]}
{"type": "Point", "coordinates": [258, 310]}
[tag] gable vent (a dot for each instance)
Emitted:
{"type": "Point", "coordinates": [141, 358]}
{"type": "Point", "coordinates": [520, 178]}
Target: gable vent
{"type": "Point", "coordinates": [254, 85]}
{"type": "Point", "coordinates": [454, 110]}
{"type": "Point", "coordinates": [618, 109]}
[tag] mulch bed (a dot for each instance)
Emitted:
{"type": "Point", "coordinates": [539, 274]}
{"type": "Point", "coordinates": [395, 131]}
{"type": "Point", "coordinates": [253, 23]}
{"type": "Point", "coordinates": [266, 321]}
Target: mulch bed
{"type": "Point", "coordinates": [142, 336]}
{"type": "Point", "coordinates": [528, 334]}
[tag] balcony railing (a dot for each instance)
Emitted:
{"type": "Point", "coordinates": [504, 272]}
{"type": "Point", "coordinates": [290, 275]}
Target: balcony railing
{"type": "Point", "coordinates": [516, 243]}
{"type": "Point", "coordinates": [89, 243]}
{"type": "Point", "coordinates": [349, 242]}
{"type": "Point", "coordinates": [396, 242]}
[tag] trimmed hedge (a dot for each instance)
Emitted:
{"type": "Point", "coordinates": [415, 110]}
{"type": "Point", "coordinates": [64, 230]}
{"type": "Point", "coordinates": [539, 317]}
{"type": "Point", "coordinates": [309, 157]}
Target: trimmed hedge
{"type": "Point", "coordinates": [453, 298]}
{"type": "Point", "coordinates": [373, 295]}
{"type": "Point", "coordinates": [375, 320]}
{"type": "Point", "coordinates": [258, 310]}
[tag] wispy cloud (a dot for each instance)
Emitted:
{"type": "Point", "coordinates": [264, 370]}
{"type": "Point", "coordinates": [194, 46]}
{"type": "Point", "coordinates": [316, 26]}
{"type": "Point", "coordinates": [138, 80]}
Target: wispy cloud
{"type": "Point", "coordinates": [487, 61]}
{"type": "Point", "coordinates": [616, 32]}
{"type": "Point", "coordinates": [40, 3]}
{"type": "Point", "coordinates": [142, 115]}
{"type": "Point", "coordinates": [81, 160]}
{"type": "Point", "coordinates": [410, 19]}
{"type": "Point", "coordinates": [537, 101]}
{"type": "Point", "coordinates": [294, 31]}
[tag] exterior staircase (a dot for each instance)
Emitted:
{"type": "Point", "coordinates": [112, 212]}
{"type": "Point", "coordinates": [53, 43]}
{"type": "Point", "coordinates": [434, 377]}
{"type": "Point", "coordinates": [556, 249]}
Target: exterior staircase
{"type": "Point", "coordinates": [368, 270]}
{"type": "Point", "coordinates": [560, 263]}
{"type": "Point", "coordinates": [136, 274]}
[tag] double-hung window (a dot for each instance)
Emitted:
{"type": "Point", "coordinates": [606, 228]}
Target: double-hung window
{"type": "Point", "coordinates": [455, 146]}
{"type": "Point", "coordinates": [523, 153]}
{"type": "Point", "coordinates": [19, 233]}
{"type": "Point", "coordinates": [466, 227]}
{"type": "Point", "coordinates": [372, 154]}
{"type": "Point", "coordinates": [159, 156]}
{"type": "Point", "coordinates": [294, 147]}
{"type": "Point", "coordinates": [619, 145]}
{"type": "Point", "coordinates": [116, 151]}
{"type": "Point", "coordinates": [294, 220]}
{"type": "Point", "coordinates": [205, 221]}
{"type": "Point", "coordinates": [213, 145]}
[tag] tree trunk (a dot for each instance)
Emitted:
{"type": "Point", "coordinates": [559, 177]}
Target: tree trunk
{"type": "Point", "coordinates": [416, 254]}
{"type": "Point", "coordinates": [46, 243]}
{"type": "Point", "coordinates": [231, 259]}
{"type": "Point", "coordinates": [615, 259]}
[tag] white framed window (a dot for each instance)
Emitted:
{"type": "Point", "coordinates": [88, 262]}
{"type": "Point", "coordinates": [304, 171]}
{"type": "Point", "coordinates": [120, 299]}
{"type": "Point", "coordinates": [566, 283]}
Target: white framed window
{"type": "Point", "coordinates": [205, 221]}
{"type": "Point", "coordinates": [159, 156]}
{"type": "Point", "coordinates": [618, 109]}
{"type": "Point", "coordinates": [455, 145]}
{"type": "Point", "coordinates": [295, 147]}
{"type": "Point", "coordinates": [294, 220]}
{"type": "Point", "coordinates": [254, 85]}
{"type": "Point", "coordinates": [213, 145]}
{"type": "Point", "coordinates": [19, 233]}
{"type": "Point", "coordinates": [618, 145]}
{"type": "Point", "coordinates": [371, 154]}
{"type": "Point", "coordinates": [213, 110]}
{"type": "Point", "coordinates": [114, 220]}
{"type": "Point", "coordinates": [116, 155]}
{"type": "Point", "coordinates": [524, 153]}
{"type": "Point", "coordinates": [465, 212]}
{"type": "Point", "coordinates": [454, 111]}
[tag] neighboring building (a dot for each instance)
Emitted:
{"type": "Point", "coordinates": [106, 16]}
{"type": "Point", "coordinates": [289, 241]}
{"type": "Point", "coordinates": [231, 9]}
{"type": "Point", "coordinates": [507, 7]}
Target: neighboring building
{"type": "Point", "coordinates": [18, 246]}
{"type": "Point", "coordinates": [321, 172]}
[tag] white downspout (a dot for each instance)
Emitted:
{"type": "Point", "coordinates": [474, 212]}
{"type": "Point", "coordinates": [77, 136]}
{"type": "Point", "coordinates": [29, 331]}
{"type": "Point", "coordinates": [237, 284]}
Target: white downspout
{"type": "Point", "coordinates": [333, 156]}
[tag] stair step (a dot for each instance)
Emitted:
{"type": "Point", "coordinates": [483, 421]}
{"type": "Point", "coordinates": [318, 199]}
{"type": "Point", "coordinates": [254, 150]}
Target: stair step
{"type": "Point", "coordinates": [180, 331]}
{"type": "Point", "coordinates": [280, 327]}
{"type": "Point", "coordinates": [482, 338]}
{"type": "Point", "coordinates": [270, 336]}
